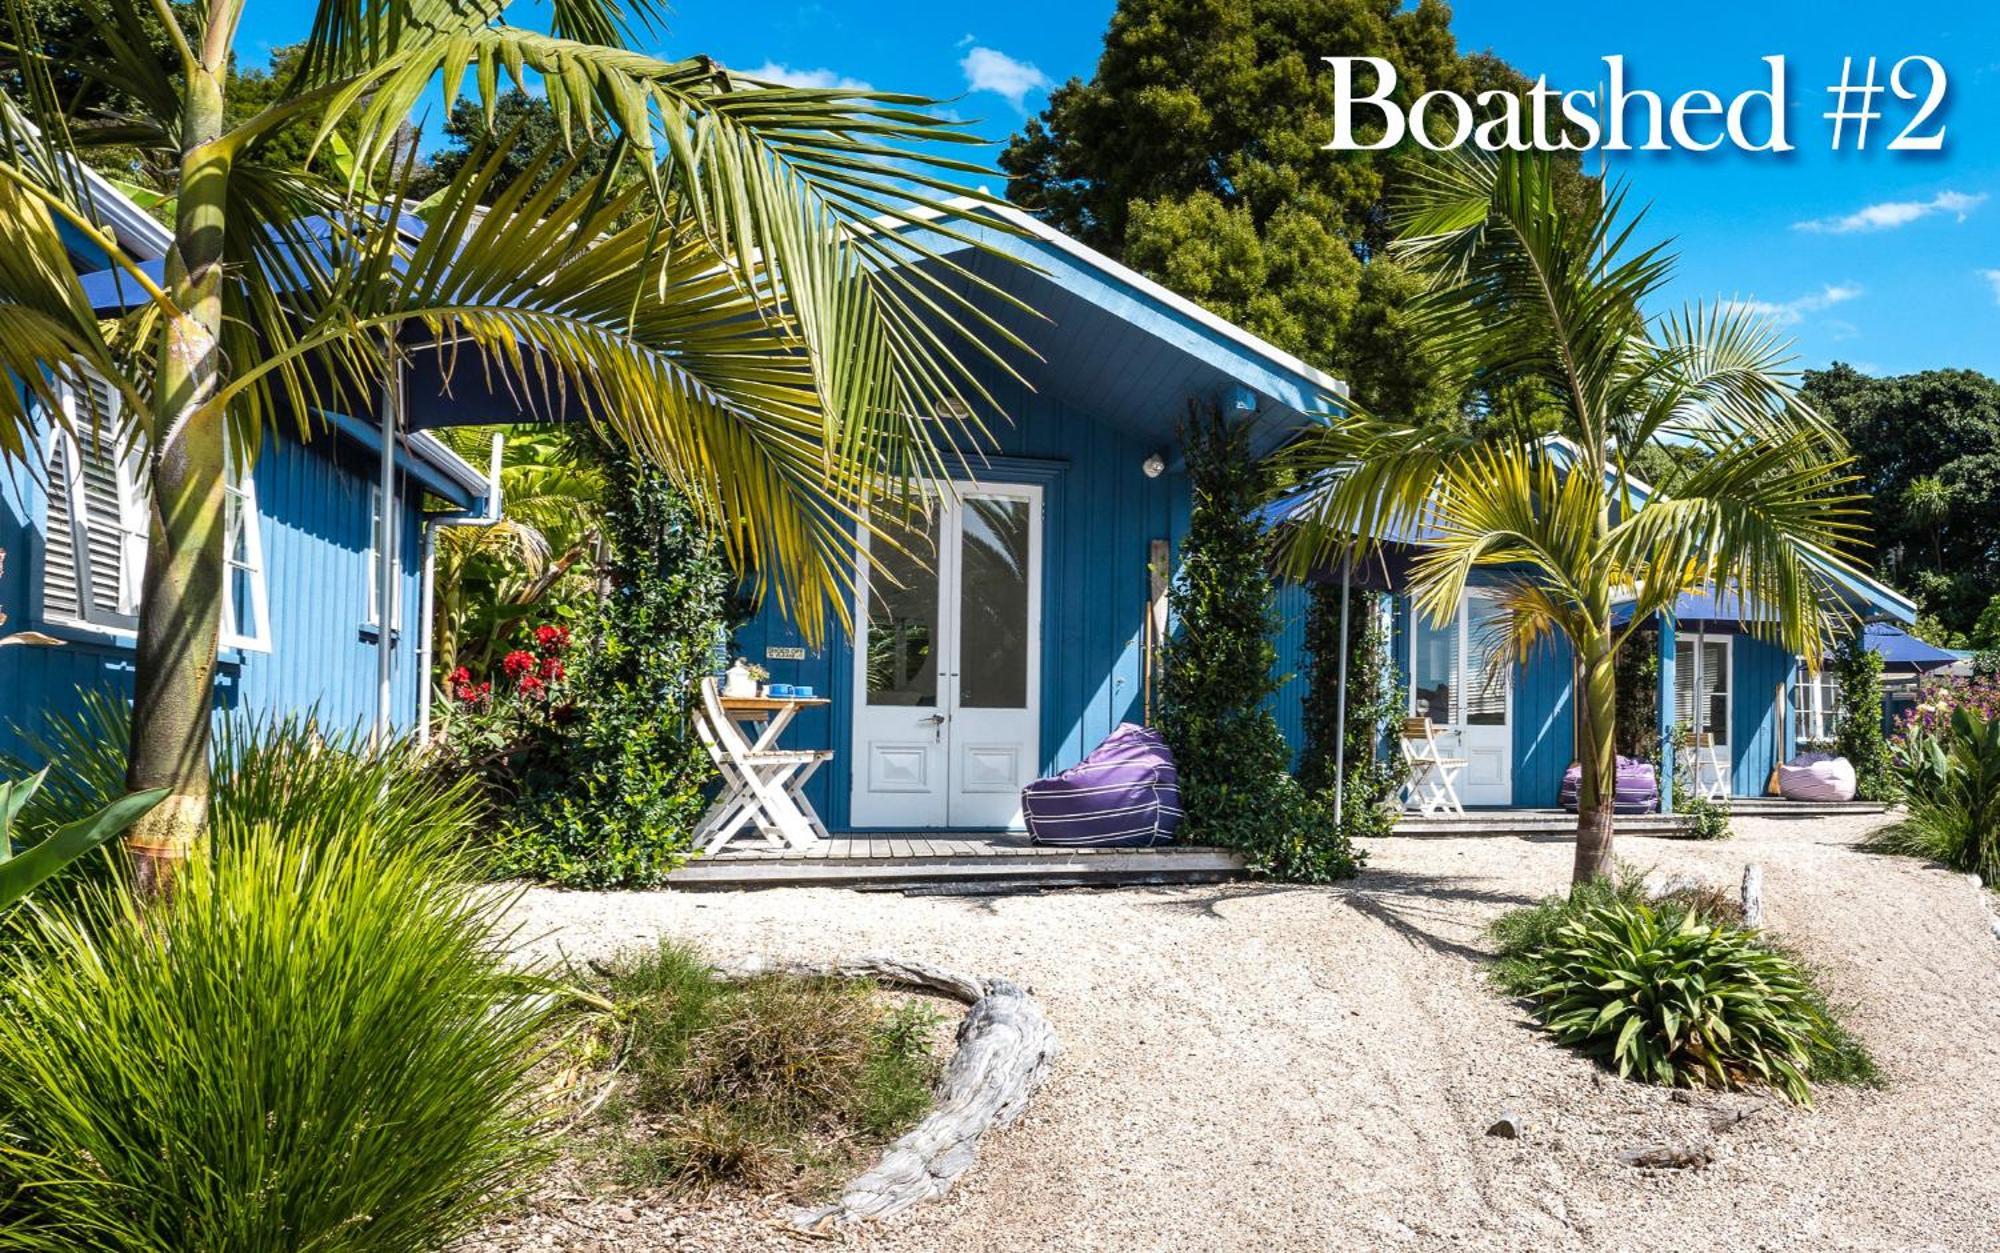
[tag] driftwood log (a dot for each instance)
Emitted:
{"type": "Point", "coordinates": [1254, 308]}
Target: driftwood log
{"type": "Point", "coordinates": [1005, 1046]}
{"type": "Point", "coordinates": [1753, 895]}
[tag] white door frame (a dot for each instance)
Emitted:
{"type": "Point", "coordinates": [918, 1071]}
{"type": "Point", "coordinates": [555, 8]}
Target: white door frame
{"type": "Point", "coordinates": [1488, 777]}
{"type": "Point", "coordinates": [951, 767]}
{"type": "Point", "coordinates": [1722, 773]}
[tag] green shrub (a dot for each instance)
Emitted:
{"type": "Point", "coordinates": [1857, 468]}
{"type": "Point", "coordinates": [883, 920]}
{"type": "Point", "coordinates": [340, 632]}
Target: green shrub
{"type": "Point", "coordinates": [1216, 677]}
{"type": "Point", "coordinates": [1669, 993]}
{"type": "Point", "coordinates": [613, 790]}
{"type": "Point", "coordinates": [1374, 701]}
{"type": "Point", "coordinates": [1859, 737]}
{"type": "Point", "coordinates": [311, 1043]}
{"type": "Point", "coordinates": [1952, 783]}
{"type": "Point", "coordinates": [766, 1082]}
{"type": "Point", "coordinates": [1704, 819]}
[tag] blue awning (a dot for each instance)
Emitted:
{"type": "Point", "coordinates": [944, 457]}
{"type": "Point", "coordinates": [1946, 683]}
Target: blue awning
{"type": "Point", "coordinates": [1902, 651]}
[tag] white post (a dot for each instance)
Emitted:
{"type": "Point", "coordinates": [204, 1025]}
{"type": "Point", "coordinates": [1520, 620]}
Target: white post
{"type": "Point", "coordinates": [426, 597]}
{"type": "Point", "coordinates": [385, 553]}
{"type": "Point", "coordinates": [1340, 701]}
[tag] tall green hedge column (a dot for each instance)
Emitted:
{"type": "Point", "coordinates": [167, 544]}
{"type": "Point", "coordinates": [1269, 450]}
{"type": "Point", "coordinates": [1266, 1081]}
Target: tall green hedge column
{"type": "Point", "coordinates": [1217, 675]}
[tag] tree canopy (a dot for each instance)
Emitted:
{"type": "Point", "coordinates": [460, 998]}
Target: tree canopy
{"type": "Point", "coordinates": [1194, 154]}
{"type": "Point", "coordinates": [1927, 447]}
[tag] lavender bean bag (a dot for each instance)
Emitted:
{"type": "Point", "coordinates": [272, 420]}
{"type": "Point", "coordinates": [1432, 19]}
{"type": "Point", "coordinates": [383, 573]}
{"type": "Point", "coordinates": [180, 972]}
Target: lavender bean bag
{"type": "Point", "coordinates": [1816, 777]}
{"type": "Point", "coordinates": [1637, 792]}
{"type": "Point", "coordinates": [1126, 793]}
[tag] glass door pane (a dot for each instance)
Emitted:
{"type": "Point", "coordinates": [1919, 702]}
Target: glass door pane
{"type": "Point", "coordinates": [1485, 662]}
{"type": "Point", "coordinates": [902, 625]}
{"type": "Point", "coordinates": [1434, 668]}
{"type": "Point", "coordinates": [1715, 689]}
{"type": "Point", "coordinates": [993, 603]}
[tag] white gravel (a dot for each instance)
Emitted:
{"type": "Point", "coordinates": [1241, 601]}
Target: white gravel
{"type": "Point", "coordinates": [1257, 1067]}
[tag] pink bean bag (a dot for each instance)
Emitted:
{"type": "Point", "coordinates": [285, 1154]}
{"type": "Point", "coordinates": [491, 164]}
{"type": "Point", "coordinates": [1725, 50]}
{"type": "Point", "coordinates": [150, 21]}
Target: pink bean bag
{"type": "Point", "coordinates": [1816, 777]}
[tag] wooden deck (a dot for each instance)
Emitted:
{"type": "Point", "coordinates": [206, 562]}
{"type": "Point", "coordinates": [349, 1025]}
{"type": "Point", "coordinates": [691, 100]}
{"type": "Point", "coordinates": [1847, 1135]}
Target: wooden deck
{"type": "Point", "coordinates": [1481, 821]}
{"type": "Point", "coordinates": [957, 861]}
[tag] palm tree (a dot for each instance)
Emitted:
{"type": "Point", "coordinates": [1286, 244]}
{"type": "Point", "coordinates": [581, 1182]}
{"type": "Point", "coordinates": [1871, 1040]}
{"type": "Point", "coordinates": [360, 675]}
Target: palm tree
{"type": "Point", "coordinates": [1530, 299]}
{"type": "Point", "coordinates": [730, 317]}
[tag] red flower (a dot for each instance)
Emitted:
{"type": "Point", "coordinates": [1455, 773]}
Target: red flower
{"type": "Point", "coordinates": [552, 639]}
{"type": "Point", "coordinates": [532, 685]}
{"type": "Point", "coordinates": [552, 670]}
{"type": "Point", "coordinates": [517, 663]}
{"type": "Point", "coordinates": [461, 676]}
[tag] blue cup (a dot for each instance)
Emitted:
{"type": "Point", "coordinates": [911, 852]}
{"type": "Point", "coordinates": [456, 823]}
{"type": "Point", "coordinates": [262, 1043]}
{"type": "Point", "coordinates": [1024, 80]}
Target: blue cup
{"type": "Point", "coordinates": [777, 689]}
{"type": "Point", "coordinates": [804, 693]}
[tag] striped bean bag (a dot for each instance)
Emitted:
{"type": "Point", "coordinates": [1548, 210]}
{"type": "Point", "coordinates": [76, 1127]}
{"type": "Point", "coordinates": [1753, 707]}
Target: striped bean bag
{"type": "Point", "coordinates": [1126, 793]}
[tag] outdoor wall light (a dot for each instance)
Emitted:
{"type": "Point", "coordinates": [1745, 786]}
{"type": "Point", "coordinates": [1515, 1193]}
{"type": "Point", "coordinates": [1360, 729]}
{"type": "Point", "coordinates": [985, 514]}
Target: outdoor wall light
{"type": "Point", "coordinates": [1154, 465]}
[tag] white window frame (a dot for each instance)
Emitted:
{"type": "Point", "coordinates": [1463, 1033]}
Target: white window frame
{"type": "Point", "coordinates": [373, 616]}
{"type": "Point", "coordinates": [242, 521]}
{"type": "Point", "coordinates": [133, 530]}
{"type": "Point", "coordinates": [1816, 712]}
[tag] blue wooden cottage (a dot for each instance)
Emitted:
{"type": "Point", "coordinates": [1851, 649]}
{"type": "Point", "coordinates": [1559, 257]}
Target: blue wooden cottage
{"type": "Point", "coordinates": [304, 623]}
{"type": "Point", "coordinates": [1030, 634]}
{"type": "Point", "coordinates": [1027, 632]}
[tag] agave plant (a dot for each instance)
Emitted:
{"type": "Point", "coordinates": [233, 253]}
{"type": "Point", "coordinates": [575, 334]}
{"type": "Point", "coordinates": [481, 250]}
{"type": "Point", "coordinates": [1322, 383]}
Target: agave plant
{"type": "Point", "coordinates": [22, 872]}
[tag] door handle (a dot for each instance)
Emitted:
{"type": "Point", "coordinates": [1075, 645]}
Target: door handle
{"type": "Point", "coordinates": [937, 722]}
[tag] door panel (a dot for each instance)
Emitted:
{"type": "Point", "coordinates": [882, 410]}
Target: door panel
{"type": "Point", "coordinates": [899, 767]}
{"type": "Point", "coordinates": [1462, 680]}
{"type": "Point", "coordinates": [949, 666]}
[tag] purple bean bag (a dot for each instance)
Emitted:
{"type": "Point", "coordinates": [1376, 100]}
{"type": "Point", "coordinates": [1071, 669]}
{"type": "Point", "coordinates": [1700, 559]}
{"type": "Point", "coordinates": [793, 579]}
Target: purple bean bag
{"type": "Point", "coordinates": [1637, 792]}
{"type": "Point", "coordinates": [1126, 793]}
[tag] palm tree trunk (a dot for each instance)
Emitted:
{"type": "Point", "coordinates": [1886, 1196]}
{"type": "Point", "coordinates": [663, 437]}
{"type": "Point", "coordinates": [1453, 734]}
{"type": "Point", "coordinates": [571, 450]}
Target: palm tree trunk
{"type": "Point", "coordinates": [1597, 751]}
{"type": "Point", "coordinates": [181, 599]}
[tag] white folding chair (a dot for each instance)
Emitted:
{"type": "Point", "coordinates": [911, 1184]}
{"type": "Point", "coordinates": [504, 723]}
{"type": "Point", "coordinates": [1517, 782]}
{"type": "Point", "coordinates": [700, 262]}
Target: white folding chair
{"type": "Point", "coordinates": [1711, 772]}
{"type": "Point", "coordinates": [1433, 784]}
{"type": "Point", "coordinates": [760, 786]}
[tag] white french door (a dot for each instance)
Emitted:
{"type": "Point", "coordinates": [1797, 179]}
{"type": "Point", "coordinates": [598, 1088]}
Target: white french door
{"type": "Point", "coordinates": [1462, 680]}
{"type": "Point", "coordinates": [947, 664]}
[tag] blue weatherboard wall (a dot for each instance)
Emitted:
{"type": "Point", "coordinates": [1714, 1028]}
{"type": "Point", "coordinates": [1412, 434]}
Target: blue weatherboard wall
{"type": "Point", "coordinates": [1544, 723]}
{"type": "Point", "coordinates": [315, 520]}
{"type": "Point", "coordinates": [1101, 514]}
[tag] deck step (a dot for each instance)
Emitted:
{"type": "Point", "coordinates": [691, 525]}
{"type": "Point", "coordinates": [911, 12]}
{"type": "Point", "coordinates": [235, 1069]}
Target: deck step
{"type": "Point", "coordinates": [1553, 821]}
{"type": "Point", "coordinates": [1041, 868]}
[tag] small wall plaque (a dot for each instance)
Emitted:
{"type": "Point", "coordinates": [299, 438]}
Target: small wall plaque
{"type": "Point", "coordinates": [784, 654]}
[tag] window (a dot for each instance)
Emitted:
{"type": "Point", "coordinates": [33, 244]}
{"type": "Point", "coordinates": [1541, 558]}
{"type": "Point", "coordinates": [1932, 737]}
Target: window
{"type": "Point", "coordinates": [94, 552]}
{"type": "Point", "coordinates": [1816, 708]}
{"type": "Point", "coordinates": [1701, 686]}
{"type": "Point", "coordinates": [374, 617]}
{"type": "Point", "coordinates": [94, 549]}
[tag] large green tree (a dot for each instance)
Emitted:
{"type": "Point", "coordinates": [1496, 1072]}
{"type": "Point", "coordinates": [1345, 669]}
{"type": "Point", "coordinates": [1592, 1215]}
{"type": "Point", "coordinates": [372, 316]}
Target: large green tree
{"type": "Point", "coordinates": [1195, 154]}
{"type": "Point", "coordinates": [719, 312]}
{"type": "Point", "coordinates": [1927, 446]}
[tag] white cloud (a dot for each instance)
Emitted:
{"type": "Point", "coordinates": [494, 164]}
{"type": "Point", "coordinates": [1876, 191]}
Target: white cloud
{"type": "Point", "coordinates": [1793, 312]}
{"type": "Point", "coordinates": [774, 72]}
{"type": "Point", "coordinates": [970, 38]}
{"type": "Point", "coordinates": [1891, 214]}
{"type": "Point", "coordinates": [987, 69]}
{"type": "Point", "coordinates": [1993, 277]}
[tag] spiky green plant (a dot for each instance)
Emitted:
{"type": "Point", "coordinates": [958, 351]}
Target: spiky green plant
{"type": "Point", "coordinates": [1664, 995]}
{"type": "Point", "coordinates": [22, 872]}
{"type": "Point", "coordinates": [1953, 784]}
{"type": "Point", "coordinates": [315, 1041]}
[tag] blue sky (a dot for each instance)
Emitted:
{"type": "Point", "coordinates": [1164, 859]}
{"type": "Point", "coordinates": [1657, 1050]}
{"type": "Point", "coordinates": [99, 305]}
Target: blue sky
{"type": "Point", "coordinates": [1890, 261]}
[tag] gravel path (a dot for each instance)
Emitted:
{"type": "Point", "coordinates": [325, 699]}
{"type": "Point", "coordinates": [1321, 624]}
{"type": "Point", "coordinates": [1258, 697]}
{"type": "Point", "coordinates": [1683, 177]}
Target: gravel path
{"type": "Point", "coordinates": [1251, 1067]}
